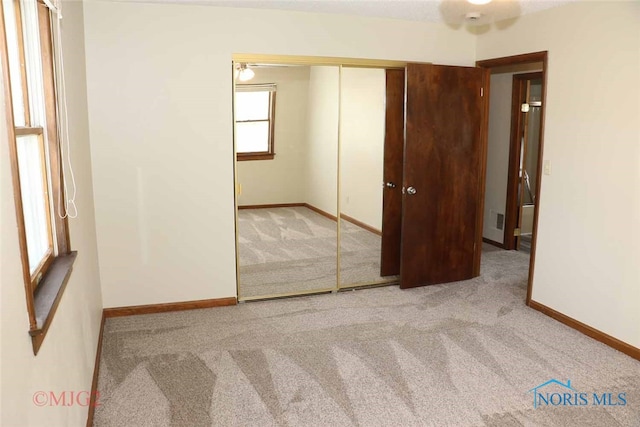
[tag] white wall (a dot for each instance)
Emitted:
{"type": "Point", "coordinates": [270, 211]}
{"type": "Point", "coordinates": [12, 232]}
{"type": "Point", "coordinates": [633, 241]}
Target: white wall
{"type": "Point", "coordinates": [159, 80]}
{"type": "Point", "coordinates": [321, 163]}
{"type": "Point", "coordinates": [280, 180]}
{"type": "Point", "coordinates": [589, 225]}
{"type": "Point", "coordinates": [66, 359]}
{"type": "Point", "coordinates": [362, 116]}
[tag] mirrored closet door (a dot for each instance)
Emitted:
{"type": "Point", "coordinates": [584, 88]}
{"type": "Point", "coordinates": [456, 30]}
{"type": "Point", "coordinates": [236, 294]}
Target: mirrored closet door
{"type": "Point", "coordinates": [286, 141]}
{"type": "Point", "coordinates": [309, 142]}
{"type": "Point", "coordinates": [339, 187]}
{"type": "Point", "coordinates": [362, 143]}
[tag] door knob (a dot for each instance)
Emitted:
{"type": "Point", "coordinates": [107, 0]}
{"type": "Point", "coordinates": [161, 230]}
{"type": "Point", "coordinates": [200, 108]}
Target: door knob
{"type": "Point", "coordinates": [411, 191]}
{"type": "Point", "coordinates": [390, 185]}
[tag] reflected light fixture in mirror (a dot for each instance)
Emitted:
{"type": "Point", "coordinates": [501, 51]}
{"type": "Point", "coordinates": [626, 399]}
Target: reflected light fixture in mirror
{"type": "Point", "coordinates": [244, 73]}
{"type": "Point", "coordinates": [479, 1]}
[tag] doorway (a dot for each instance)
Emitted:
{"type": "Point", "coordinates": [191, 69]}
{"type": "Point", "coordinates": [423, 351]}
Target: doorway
{"type": "Point", "coordinates": [515, 152]}
{"type": "Point", "coordinates": [525, 144]}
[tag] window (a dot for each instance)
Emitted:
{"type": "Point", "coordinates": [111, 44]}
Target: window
{"type": "Point", "coordinates": [29, 86]}
{"type": "Point", "coordinates": [255, 113]}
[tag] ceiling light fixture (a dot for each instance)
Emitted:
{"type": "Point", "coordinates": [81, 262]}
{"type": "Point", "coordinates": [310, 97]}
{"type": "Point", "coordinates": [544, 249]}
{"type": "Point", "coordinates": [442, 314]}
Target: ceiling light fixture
{"type": "Point", "coordinates": [245, 73]}
{"type": "Point", "coordinates": [479, 2]}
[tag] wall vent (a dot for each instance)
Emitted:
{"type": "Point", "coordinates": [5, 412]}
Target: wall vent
{"type": "Point", "coordinates": [500, 221]}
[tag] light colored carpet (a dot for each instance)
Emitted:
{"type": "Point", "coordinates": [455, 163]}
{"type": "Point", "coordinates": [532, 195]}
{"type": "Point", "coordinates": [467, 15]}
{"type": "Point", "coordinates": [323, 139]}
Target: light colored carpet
{"type": "Point", "coordinates": [461, 354]}
{"type": "Point", "coordinates": [286, 250]}
{"type": "Point", "coordinates": [486, 247]}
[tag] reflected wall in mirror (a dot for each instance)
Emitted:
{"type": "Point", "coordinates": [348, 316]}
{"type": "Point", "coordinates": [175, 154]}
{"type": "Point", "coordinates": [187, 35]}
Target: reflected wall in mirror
{"type": "Point", "coordinates": [287, 205]}
{"type": "Point", "coordinates": [362, 136]}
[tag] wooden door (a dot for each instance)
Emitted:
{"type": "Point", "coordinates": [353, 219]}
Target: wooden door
{"type": "Point", "coordinates": [393, 158]}
{"type": "Point", "coordinates": [444, 163]}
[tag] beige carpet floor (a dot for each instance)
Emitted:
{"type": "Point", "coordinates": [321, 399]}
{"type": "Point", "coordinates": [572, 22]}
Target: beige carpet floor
{"type": "Point", "coordinates": [461, 354]}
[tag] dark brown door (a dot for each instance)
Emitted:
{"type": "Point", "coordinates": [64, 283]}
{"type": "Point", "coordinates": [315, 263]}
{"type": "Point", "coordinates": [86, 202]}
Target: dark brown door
{"type": "Point", "coordinates": [444, 160]}
{"type": "Point", "coordinates": [393, 158]}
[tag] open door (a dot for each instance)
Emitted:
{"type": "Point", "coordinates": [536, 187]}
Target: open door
{"type": "Point", "coordinates": [443, 179]}
{"type": "Point", "coordinates": [393, 158]}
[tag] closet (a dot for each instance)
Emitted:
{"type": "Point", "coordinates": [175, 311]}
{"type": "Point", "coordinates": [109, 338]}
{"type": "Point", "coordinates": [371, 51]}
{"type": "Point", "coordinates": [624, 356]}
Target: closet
{"type": "Point", "coordinates": [376, 177]}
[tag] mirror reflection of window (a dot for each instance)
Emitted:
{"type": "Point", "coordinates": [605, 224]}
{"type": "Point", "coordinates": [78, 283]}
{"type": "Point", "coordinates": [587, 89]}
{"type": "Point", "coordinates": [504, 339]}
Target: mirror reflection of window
{"type": "Point", "coordinates": [255, 110]}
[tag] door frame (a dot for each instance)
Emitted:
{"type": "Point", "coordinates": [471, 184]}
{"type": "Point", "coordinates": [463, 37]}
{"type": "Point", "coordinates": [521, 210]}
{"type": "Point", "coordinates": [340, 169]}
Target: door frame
{"type": "Point", "coordinates": [528, 58]}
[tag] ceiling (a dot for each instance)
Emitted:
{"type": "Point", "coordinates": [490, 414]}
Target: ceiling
{"type": "Point", "coordinates": [448, 11]}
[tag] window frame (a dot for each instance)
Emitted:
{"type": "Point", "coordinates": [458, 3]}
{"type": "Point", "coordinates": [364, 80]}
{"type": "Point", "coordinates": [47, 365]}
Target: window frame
{"type": "Point", "coordinates": [36, 277]}
{"type": "Point", "coordinates": [270, 153]}
{"type": "Point", "coordinates": [43, 288]}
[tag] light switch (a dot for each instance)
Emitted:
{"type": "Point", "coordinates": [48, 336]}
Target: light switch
{"type": "Point", "coordinates": [547, 167]}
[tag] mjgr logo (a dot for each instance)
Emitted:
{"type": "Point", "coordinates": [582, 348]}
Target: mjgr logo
{"type": "Point", "coordinates": [570, 397]}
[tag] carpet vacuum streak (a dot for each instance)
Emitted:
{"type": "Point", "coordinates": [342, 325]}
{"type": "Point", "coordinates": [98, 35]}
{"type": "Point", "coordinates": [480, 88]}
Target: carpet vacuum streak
{"type": "Point", "coordinates": [460, 354]}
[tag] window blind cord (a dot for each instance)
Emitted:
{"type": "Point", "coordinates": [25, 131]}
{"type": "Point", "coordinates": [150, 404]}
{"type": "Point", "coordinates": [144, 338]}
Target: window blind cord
{"type": "Point", "coordinates": [68, 208]}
